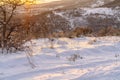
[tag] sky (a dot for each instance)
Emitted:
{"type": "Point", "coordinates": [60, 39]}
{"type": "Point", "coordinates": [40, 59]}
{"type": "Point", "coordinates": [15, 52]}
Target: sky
{"type": "Point", "coordinates": [45, 1]}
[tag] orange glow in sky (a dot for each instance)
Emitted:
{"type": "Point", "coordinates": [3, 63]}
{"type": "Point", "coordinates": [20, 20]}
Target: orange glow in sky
{"type": "Point", "coordinates": [40, 1]}
{"type": "Point", "coordinates": [45, 1]}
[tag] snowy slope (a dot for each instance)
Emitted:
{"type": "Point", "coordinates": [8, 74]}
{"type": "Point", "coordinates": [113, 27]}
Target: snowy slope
{"type": "Point", "coordinates": [98, 59]}
{"type": "Point", "coordinates": [79, 17]}
{"type": "Point", "coordinates": [115, 3]}
{"type": "Point", "coordinates": [99, 3]}
{"type": "Point", "coordinates": [63, 4]}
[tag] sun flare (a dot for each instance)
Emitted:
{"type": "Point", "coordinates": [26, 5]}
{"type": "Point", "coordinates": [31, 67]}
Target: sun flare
{"type": "Point", "coordinates": [39, 1]}
{"type": "Point", "coordinates": [44, 1]}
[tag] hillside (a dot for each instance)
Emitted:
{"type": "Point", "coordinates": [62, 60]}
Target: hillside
{"type": "Point", "coordinates": [115, 3]}
{"type": "Point", "coordinates": [81, 13]}
{"type": "Point", "coordinates": [66, 4]}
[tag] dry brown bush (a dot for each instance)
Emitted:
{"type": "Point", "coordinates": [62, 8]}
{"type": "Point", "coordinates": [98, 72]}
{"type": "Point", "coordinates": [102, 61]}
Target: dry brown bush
{"type": "Point", "coordinates": [82, 31]}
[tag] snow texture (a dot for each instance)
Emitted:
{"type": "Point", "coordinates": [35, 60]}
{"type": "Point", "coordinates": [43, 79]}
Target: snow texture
{"type": "Point", "coordinates": [98, 59]}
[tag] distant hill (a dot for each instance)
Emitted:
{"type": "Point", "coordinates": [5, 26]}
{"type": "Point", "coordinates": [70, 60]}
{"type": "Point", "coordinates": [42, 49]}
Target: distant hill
{"type": "Point", "coordinates": [113, 4]}
{"type": "Point", "coordinates": [70, 4]}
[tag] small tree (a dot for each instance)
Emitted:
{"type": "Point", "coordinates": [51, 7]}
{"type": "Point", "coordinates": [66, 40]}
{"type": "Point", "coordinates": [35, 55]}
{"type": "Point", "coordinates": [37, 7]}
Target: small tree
{"type": "Point", "coordinates": [9, 21]}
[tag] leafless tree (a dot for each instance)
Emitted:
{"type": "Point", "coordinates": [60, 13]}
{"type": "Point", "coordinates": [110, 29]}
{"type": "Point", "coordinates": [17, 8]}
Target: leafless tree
{"type": "Point", "coordinates": [9, 21]}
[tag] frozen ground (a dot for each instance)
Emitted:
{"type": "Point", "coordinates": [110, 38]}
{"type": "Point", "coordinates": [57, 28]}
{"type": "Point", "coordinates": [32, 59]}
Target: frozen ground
{"type": "Point", "coordinates": [98, 59]}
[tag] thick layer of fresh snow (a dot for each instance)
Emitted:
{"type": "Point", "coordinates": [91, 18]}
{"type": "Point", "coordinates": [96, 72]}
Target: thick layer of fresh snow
{"type": "Point", "coordinates": [98, 60]}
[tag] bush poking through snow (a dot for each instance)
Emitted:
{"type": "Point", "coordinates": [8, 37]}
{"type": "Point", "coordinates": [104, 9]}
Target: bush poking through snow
{"type": "Point", "coordinates": [29, 56]}
{"type": "Point", "coordinates": [74, 57]}
{"type": "Point", "coordinates": [51, 42]}
{"type": "Point", "coordinates": [116, 57]}
{"type": "Point", "coordinates": [77, 32]}
{"type": "Point", "coordinates": [92, 41]}
{"type": "Point", "coordinates": [58, 55]}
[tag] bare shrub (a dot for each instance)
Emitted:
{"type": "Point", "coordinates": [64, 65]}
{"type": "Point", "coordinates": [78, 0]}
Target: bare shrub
{"type": "Point", "coordinates": [51, 42]}
{"type": "Point", "coordinates": [109, 31]}
{"type": "Point", "coordinates": [29, 55]}
{"type": "Point", "coordinates": [11, 24]}
{"type": "Point", "coordinates": [82, 31]}
{"type": "Point", "coordinates": [92, 41]}
{"type": "Point", "coordinates": [116, 57]}
{"type": "Point", "coordinates": [74, 57]}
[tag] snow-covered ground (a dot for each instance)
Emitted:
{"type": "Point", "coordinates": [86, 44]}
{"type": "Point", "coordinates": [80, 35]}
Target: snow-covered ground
{"type": "Point", "coordinates": [105, 11]}
{"type": "Point", "coordinates": [79, 17]}
{"type": "Point", "coordinates": [96, 59]}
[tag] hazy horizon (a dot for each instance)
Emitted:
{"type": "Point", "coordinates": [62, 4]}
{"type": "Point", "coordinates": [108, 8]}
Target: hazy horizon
{"type": "Point", "coordinates": [46, 1]}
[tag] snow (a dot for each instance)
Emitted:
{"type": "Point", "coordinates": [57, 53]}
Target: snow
{"type": "Point", "coordinates": [71, 21]}
{"type": "Point", "coordinates": [98, 3]}
{"type": "Point", "coordinates": [106, 11]}
{"type": "Point", "coordinates": [79, 17]}
{"type": "Point", "coordinates": [98, 60]}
